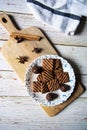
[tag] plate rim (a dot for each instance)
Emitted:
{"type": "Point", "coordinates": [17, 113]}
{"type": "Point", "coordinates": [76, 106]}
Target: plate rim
{"type": "Point", "coordinates": [43, 57]}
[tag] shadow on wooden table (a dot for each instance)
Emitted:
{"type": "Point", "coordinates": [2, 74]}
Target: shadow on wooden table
{"type": "Point", "coordinates": [14, 22]}
{"type": "Point", "coordinates": [77, 73]}
{"type": "Point", "coordinates": [73, 64]}
{"type": "Point", "coordinates": [81, 26]}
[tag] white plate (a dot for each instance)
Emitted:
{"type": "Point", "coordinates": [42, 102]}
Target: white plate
{"type": "Point", "coordinates": [41, 98]}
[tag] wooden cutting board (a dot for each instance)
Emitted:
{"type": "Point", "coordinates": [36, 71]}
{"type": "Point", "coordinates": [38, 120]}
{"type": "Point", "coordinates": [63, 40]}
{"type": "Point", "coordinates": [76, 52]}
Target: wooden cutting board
{"type": "Point", "coordinates": [11, 50]}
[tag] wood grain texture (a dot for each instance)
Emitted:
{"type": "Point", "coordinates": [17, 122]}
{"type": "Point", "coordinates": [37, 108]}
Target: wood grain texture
{"type": "Point", "coordinates": [26, 20]}
{"type": "Point", "coordinates": [14, 6]}
{"type": "Point", "coordinates": [51, 111]}
{"type": "Point", "coordinates": [14, 116]}
{"type": "Point", "coordinates": [21, 112]}
{"type": "Point", "coordinates": [10, 82]}
{"type": "Point", "coordinates": [73, 54]}
{"type": "Point", "coordinates": [25, 49]}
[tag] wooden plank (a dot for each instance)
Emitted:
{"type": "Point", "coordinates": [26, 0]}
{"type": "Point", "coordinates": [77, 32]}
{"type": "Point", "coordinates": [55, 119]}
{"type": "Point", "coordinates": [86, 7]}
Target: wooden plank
{"type": "Point", "coordinates": [25, 115]}
{"type": "Point", "coordinates": [1, 44]}
{"type": "Point", "coordinates": [77, 60]}
{"type": "Point", "coordinates": [25, 49]}
{"type": "Point", "coordinates": [25, 21]}
{"type": "Point", "coordinates": [76, 56]}
{"type": "Point", "coordinates": [4, 64]}
{"type": "Point", "coordinates": [20, 103]}
{"type": "Point", "coordinates": [17, 126]}
{"type": "Point", "coordinates": [11, 85]}
{"type": "Point", "coordinates": [18, 6]}
{"type": "Point", "coordinates": [10, 82]}
{"type": "Point", "coordinates": [70, 118]}
{"type": "Point", "coordinates": [51, 111]}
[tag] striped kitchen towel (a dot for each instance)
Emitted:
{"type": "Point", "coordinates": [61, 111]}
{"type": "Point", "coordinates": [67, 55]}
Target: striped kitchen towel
{"type": "Point", "coordinates": [64, 15]}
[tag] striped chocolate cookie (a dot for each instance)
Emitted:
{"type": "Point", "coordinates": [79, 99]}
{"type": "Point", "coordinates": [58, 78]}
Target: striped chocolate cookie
{"type": "Point", "coordinates": [57, 71]}
{"type": "Point", "coordinates": [65, 78]}
{"type": "Point", "coordinates": [47, 64]}
{"type": "Point", "coordinates": [57, 64]}
{"type": "Point", "coordinates": [59, 76]}
{"type": "Point", "coordinates": [47, 75]}
{"type": "Point", "coordinates": [44, 88]}
{"type": "Point", "coordinates": [36, 86]}
{"type": "Point", "coordinates": [62, 77]}
{"type": "Point", "coordinates": [40, 78]}
{"type": "Point", "coordinates": [53, 85]}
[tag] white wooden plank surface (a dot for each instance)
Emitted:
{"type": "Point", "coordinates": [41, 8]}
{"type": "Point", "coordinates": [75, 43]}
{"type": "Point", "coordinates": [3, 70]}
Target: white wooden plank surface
{"type": "Point", "coordinates": [17, 110]}
{"type": "Point", "coordinates": [24, 21]}
{"type": "Point", "coordinates": [76, 56]}
{"type": "Point", "coordinates": [14, 6]}
{"type": "Point", "coordinates": [10, 83]}
{"type": "Point", "coordinates": [22, 111]}
{"type": "Point", "coordinates": [75, 60]}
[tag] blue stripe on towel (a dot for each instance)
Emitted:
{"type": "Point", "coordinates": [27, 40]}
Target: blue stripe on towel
{"type": "Point", "coordinates": [72, 16]}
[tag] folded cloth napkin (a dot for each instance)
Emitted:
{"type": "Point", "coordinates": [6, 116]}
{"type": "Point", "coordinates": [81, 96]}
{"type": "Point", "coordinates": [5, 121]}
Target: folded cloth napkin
{"type": "Point", "coordinates": [64, 15]}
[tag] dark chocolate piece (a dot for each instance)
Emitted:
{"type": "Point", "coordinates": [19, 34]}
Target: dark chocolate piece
{"type": "Point", "coordinates": [37, 69]}
{"type": "Point", "coordinates": [51, 96]}
{"type": "Point", "coordinates": [64, 87]}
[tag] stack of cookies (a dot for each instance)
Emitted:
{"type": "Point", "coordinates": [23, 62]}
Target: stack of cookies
{"type": "Point", "coordinates": [50, 76]}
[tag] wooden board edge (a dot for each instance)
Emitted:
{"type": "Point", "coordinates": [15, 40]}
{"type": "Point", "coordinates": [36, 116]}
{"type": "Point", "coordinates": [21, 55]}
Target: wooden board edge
{"type": "Point", "coordinates": [54, 110]}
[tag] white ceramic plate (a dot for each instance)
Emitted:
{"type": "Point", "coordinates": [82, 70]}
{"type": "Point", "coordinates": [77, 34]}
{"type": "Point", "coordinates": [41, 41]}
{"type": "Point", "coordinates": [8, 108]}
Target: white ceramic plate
{"type": "Point", "coordinates": [41, 98]}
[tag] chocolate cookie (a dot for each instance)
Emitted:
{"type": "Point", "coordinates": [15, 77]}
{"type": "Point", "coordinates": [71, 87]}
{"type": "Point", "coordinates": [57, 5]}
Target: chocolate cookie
{"type": "Point", "coordinates": [53, 85]}
{"type": "Point", "coordinates": [37, 69]}
{"type": "Point", "coordinates": [36, 86]}
{"type": "Point", "coordinates": [47, 75]}
{"type": "Point", "coordinates": [64, 87]}
{"type": "Point", "coordinates": [47, 64]}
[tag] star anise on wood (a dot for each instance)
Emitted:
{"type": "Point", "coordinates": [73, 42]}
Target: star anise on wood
{"type": "Point", "coordinates": [22, 59]}
{"type": "Point", "coordinates": [19, 39]}
{"type": "Point", "coordinates": [37, 50]}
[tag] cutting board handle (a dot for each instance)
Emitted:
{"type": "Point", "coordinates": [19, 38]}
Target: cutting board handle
{"type": "Point", "coordinates": [7, 23]}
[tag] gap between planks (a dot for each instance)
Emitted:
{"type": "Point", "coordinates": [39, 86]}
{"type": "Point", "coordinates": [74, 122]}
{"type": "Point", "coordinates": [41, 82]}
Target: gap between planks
{"type": "Point", "coordinates": [55, 44]}
{"type": "Point", "coordinates": [12, 12]}
{"type": "Point", "coordinates": [28, 97]}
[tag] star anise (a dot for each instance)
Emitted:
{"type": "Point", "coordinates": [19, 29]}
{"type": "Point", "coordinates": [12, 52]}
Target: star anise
{"type": "Point", "coordinates": [22, 59]}
{"type": "Point", "coordinates": [37, 50]}
{"type": "Point", "coordinates": [19, 39]}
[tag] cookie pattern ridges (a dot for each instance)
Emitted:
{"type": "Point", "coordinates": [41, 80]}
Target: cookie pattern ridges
{"type": "Point", "coordinates": [47, 75]}
{"type": "Point", "coordinates": [65, 78]}
{"type": "Point", "coordinates": [38, 96]}
{"type": "Point", "coordinates": [53, 85]}
{"type": "Point", "coordinates": [51, 77]}
{"type": "Point", "coordinates": [44, 88]}
{"type": "Point", "coordinates": [48, 64]}
{"type": "Point", "coordinates": [36, 86]}
{"type": "Point", "coordinates": [57, 64]}
{"type": "Point", "coordinates": [40, 78]}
